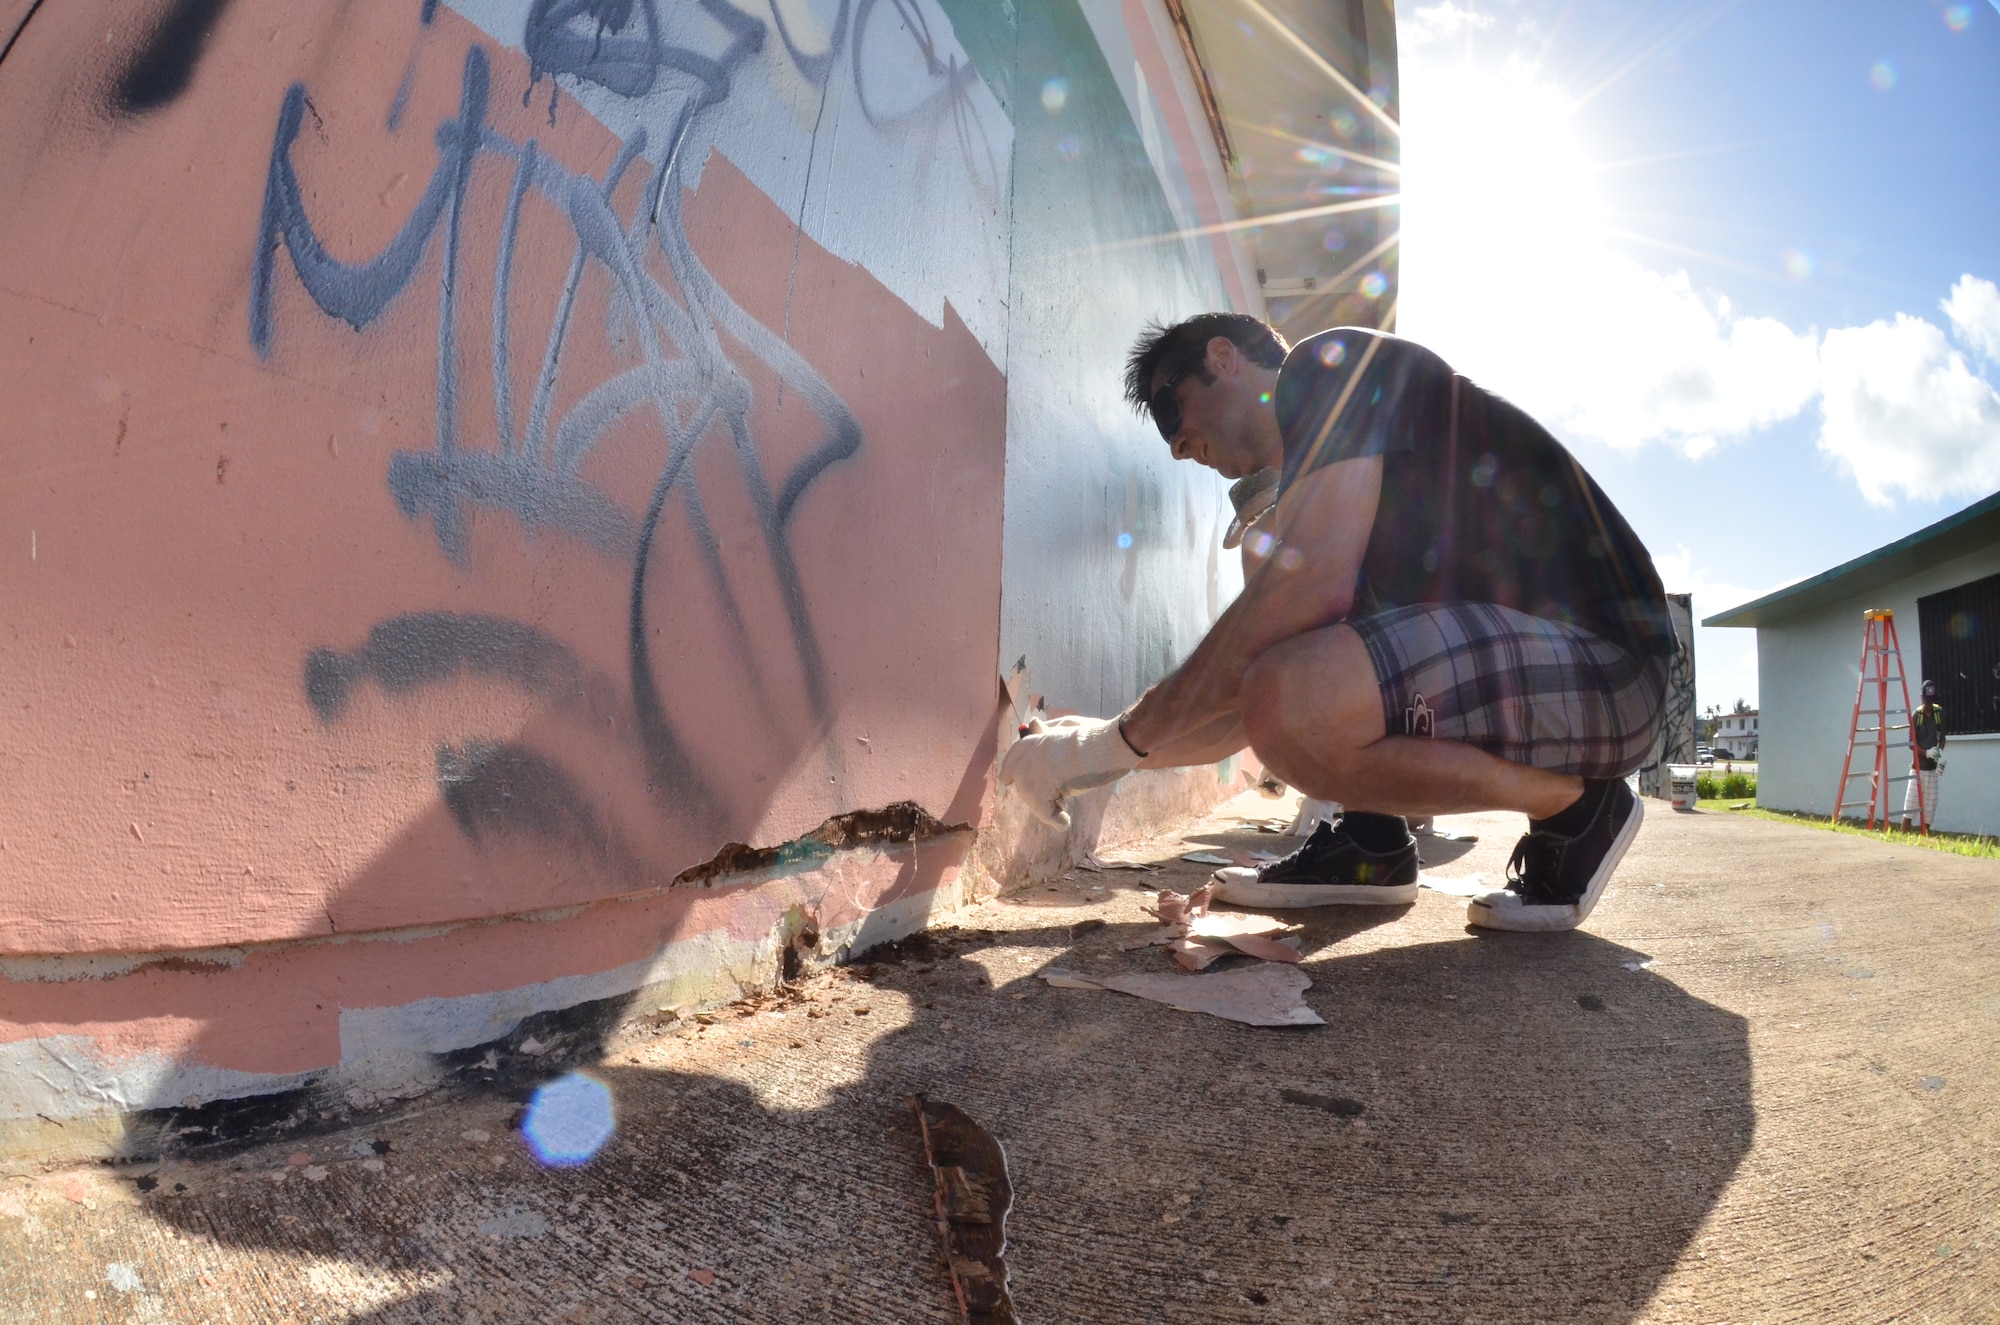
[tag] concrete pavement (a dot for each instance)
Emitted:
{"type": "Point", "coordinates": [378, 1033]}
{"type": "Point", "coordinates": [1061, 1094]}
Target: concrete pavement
{"type": "Point", "coordinates": [1760, 1086]}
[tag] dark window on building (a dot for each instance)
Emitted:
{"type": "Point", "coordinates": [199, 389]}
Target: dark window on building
{"type": "Point", "coordinates": [1960, 629]}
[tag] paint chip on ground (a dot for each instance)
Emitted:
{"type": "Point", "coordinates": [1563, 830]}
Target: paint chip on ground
{"type": "Point", "coordinates": [1262, 995]}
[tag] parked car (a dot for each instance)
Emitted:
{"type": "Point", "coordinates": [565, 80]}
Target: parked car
{"type": "Point", "coordinates": [1703, 755]}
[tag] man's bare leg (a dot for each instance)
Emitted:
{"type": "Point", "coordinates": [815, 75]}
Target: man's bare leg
{"type": "Point", "coordinates": [1312, 709]}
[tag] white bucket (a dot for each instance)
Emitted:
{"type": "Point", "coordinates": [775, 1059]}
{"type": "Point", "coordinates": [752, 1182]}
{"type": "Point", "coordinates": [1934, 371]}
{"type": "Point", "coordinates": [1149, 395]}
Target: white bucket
{"type": "Point", "coordinates": [1681, 785]}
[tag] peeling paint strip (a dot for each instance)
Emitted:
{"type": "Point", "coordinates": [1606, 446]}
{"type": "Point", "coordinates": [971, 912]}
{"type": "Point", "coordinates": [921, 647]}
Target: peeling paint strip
{"type": "Point", "coordinates": [756, 865]}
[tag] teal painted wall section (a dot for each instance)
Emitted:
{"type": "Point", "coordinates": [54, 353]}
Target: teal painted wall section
{"type": "Point", "coordinates": [987, 30]}
{"type": "Point", "coordinates": [1112, 564]}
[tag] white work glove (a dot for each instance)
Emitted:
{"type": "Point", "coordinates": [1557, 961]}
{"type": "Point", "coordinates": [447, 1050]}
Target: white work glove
{"type": "Point", "coordinates": [1060, 755]}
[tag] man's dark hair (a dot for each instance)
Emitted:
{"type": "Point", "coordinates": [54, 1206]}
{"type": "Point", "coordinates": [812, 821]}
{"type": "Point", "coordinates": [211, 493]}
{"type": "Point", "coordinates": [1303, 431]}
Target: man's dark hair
{"type": "Point", "coordinates": [1182, 346]}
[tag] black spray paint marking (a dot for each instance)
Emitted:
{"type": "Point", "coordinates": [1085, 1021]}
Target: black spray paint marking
{"type": "Point", "coordinates": [431, 648]}
{"type": "Point", "coordinates": [503, 790]}
{"type": "Point", "coordinates": [165, 65]}
{"type": "Point", "coordinates": [34, 7]}
{"type": "Point", "coordinates": [406, 653]}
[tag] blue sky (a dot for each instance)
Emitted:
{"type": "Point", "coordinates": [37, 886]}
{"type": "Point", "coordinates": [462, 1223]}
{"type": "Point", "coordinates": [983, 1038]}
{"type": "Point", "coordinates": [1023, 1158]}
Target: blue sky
{"type": "Point", "coordinates": [1740, 256]}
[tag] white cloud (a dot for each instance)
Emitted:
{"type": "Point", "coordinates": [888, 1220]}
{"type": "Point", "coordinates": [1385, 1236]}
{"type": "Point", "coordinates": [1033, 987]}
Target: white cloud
{"type": "Point", "coordinates": [1903, 411]}
{"type": "Point", "coordinates": [1511, 272]}
{"type": "Point", "coordinates": [1645, 357]}
{"type": "Point", "coordinates": [1974, 310]}
{"type": "Point", "coordinates": [1429, 24]}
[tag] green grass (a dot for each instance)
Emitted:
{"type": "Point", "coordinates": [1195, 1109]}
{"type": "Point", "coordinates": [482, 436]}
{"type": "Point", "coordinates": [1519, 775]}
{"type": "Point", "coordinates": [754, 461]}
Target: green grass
{"type": "Point", "coordinates": [1958, 844]}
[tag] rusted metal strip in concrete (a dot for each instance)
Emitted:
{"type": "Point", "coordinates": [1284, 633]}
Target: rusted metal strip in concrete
{"type": "Point", "coordinates": [895, 825]}
{"type": "Point", "coordinates": [973, 1196]}
{"type": "Point", "coordinates": [1177, 15]}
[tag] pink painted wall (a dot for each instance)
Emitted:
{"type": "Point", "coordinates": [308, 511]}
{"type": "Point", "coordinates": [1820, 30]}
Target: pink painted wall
{"type": "Point", "coordinates": [423, 535]}
{"type": "Point", "coordinates": [257, 698]}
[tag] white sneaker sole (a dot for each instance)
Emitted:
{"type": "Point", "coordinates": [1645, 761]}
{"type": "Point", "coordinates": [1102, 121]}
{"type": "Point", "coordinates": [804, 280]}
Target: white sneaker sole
{"type": "Point", "coordinates": [1505, 910]}
{"type": "Point", "coordinates": [1240, 887]}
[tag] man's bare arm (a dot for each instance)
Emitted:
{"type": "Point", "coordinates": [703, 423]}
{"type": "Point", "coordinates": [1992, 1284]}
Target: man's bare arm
{"type": "Point", "coordinates": [1324, 521]}
{"type": "Point", "coordinates": [1213, 741]}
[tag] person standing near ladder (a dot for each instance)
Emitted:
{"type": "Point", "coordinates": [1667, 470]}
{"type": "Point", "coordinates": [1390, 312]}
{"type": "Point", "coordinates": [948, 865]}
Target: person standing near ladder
{"type": "Point", "coordinates": [1927, 731]}
{"type": "Point", "coordinates": [1452, 616]}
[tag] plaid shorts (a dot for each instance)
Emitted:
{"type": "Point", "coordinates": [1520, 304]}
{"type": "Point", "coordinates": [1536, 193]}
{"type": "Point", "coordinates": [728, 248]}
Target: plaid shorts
{"type": "Point", "coordinates": [1531, 691]}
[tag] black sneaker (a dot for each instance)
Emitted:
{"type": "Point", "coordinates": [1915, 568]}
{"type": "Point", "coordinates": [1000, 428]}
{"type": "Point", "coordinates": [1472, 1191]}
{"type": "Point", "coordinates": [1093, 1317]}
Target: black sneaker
{"type": "Point", "coordinates": [1331, 869]}
{"type": "Point", "coordinates": [1552, 882]}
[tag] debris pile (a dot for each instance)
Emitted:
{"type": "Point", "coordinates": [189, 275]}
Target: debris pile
{"type": "Point", "coordinates": [1196, 937]}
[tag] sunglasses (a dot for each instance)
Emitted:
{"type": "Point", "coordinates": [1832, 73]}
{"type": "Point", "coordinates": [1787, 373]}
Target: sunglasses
{"type": "Point", "coordinates": [1165, 407]}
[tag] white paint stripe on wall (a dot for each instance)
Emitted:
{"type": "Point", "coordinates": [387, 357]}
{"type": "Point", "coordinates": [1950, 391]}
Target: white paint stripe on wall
{"type": "Point", "coordinates": [913, 186]}
{"type": "Point", "coordinates": [66, 1077]}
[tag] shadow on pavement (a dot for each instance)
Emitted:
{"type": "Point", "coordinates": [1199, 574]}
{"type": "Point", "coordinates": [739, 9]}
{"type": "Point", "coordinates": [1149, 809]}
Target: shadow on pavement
{"type": "Point", "coordinates": [1501, 1127]}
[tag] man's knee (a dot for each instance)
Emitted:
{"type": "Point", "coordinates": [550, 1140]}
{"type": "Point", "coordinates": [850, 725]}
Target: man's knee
{"type": "Point", "coordinates": [1266, 697]}
{"type": "Point", "coordinates": [1311, 702]}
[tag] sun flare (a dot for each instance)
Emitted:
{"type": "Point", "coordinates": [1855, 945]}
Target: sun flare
{"type": "Point", "coordinates": [1512, 270]}
{"type": "Point", "coordinates": [1498, 199]}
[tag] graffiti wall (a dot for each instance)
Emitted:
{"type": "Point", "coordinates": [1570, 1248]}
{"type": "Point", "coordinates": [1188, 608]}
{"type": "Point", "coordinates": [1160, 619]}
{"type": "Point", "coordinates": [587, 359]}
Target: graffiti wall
{"type": "Point", "coordinates": [467, 464]}
{"type": "Point", "coordinates": [1114, 568]}
{"type": "Point", "coordinates": [1675, 743]}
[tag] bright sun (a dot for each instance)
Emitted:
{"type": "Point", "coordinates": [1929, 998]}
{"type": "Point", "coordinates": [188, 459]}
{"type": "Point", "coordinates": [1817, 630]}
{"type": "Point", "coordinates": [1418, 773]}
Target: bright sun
{"type": "Point", "coordinates": [1512, 270]}
{"type": "Point", "coordinates": [1498, 202]}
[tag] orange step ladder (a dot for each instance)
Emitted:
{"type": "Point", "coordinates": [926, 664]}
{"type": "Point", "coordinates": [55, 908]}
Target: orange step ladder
{"type": "Point", "coordinates": [1881, 667]}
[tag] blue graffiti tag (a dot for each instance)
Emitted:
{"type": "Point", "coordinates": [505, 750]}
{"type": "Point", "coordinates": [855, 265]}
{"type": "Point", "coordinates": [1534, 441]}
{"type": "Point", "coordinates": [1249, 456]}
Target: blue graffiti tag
{"type": "Point", "coordinates": [682, 375]}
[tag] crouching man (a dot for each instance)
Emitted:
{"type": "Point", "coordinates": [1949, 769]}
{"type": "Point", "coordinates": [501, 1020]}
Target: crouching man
{"type": "Point", "coordinates": [1453, 617]}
